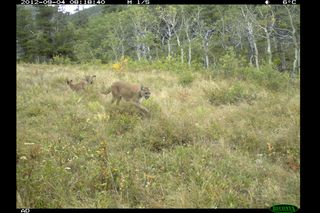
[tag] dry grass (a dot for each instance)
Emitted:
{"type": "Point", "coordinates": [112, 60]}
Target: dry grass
{"type": "Point", "coordinates": [210, 143]}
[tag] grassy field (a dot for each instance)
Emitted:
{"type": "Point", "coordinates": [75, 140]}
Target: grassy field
{"type": "Point", "coordinates": [211, 141]}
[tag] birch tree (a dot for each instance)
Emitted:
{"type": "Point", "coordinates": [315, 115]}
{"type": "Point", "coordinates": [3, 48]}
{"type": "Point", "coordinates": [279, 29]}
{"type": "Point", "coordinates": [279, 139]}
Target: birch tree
{"type": "Point", "coordinates": [266, 23]}
{"type": "Point", "coordinates": [250, 36]}
{"type": "Point", "coordinates": [168, 15]}
{"type": "Point", "coordinates": [205, 31]}
{"type": "Point", "coordinates": [190, 28]}
{"type": "Point", "coordinates": [296, 45]}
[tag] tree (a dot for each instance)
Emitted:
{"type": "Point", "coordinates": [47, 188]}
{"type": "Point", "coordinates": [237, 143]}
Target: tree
{"type": "Point", "coordinates": [247, 16]}
{"type": "Point", "coordinates": [296, 61]}
{"type": "Point", "coordinates": [168, 14]}
{"type": "Point", "coordinates": [266, 24]}
{"type": "Point", "coordinates": [143, 31]}
{"type": "Point", "coordinates": [46, 32]}
{"type": "Point", "coordinates": [26, 33]}
{"type": "Point", "coordinates": [196, 34]}
{"type": "Point", "coordinates": [206, 27]}
{"type": "Point", "coordinates": [190, 25]}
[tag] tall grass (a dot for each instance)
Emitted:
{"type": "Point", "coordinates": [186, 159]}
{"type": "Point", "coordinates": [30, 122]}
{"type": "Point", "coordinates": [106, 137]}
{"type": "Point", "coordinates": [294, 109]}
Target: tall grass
{"type": "Point", "coordinates": [218, 142]}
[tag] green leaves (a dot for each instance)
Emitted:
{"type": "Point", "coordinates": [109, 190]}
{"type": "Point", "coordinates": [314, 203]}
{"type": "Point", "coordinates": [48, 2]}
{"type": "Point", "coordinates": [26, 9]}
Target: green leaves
{"type": "Point", "coordinates": [212, 37]}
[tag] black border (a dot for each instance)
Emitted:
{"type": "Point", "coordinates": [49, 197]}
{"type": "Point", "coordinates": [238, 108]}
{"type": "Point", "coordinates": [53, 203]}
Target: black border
{"type": "Point", "coordinates": [307, 88]}
{"type": "Point", "coordinates": [143, 2]}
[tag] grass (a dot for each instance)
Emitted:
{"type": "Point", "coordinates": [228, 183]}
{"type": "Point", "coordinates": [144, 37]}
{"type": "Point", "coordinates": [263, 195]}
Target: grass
{"type": "Point", "coordinates": [217, 142]}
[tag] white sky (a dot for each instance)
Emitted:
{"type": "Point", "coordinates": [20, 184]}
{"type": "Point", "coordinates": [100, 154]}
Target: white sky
{"type": "Point", "coordinates": [71, 8]}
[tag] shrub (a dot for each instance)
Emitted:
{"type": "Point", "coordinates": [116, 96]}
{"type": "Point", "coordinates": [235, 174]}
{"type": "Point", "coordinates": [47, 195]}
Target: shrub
{"type": "Point", "coordinates": [186, 78]}
{"type": "Point", "coordinates": [61, 60]}
{"type": "Point", "coordinates": [230, 63]}
{"type": "Point", "coordinates": [234, 94]}
{"type": "Point", "coordinates": [267, 77]}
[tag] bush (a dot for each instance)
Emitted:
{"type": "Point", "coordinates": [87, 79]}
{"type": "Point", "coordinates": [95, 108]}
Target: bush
{"type": "Point", "coordinates": [61, 60]}
{"type": "Point", "coordinates": [267, 77]}
{"type": "Point", "coordinates": [173, 65]}
{"type": "Point", "coordinates": [230, 63]}
{"type": "Point", "coordinates": [186, 78]}
{"type": "Point", "coordinates": [236, 93]}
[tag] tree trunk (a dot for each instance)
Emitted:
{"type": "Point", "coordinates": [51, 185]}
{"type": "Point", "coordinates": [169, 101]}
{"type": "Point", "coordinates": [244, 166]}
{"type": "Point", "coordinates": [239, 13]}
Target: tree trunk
{"type": "Point", "coordinates": [295, 43]}
{"type": "Point", "coordinates": [206, 39]}
{"type": "Point", "coordinates": [181, 49]}
{"type": "Point", "coordinates": [138, 52]}
{"type": "Point", "coordinates": [207, 61]}
{"type": "Point", "coordinates": [295, 63]}
{"type": "Point", "coordinates": [189, 54]}
{"type": "Point", "coordinates": [205, 50]}
{"type": "Point", "coordinates": [182, 55]}
{"type": "Point", "coordinates": [149, 54]}
{"type": "Point", "coordinates": [256, 55]}
{"type": "Point", "coordinates": [268, 46]}
{"type": "Point", "coordinates": [169, 49]}
{"type": "Point", "coordinates": [189, 48]}
{"type": "Point", "coordinates": [251, 39]}
{"type": "Point", "coordinates": [253, 44]}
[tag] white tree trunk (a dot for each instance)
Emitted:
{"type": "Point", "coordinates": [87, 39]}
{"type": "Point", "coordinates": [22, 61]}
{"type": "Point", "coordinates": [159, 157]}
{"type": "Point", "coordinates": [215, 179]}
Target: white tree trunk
{"type": "Point", "coordinates": [182, 55]}
{"type": "Point", "coordinates": [189, 48]}
{"type": "Point", "coordinates": [295, 43]}
{"type": "Point", "coordinates": [268, 46]}
{"type": "Point", "coordinates": [169, 49]}
{"type": "Point", "coordinates": [256, 55]}
{"type": "Point", "coordinates": [181, 49]}
{"type": "Point", "coordinates": [138, 52]}
{"type": "Point", "coordinates": [189, 54]}
{"type": "Point", "coordinates": [207, 61]}
{"type": "Point", "coordinates": [251, 39]}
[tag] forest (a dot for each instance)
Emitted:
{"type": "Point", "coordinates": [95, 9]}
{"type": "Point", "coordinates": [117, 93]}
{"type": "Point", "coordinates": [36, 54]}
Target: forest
{"type": "Point", "coordinates": [219, 126]}
{"type": "Point", "coordinates": [190, 34]}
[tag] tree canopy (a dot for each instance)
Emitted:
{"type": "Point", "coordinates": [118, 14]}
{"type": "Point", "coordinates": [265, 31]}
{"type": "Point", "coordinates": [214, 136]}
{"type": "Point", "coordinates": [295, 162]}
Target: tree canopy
{"type": "Point", "coordinates": [192, 34]}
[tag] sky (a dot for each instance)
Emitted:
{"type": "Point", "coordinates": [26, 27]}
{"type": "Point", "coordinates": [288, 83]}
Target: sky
{"type": "Point", "coordinates": [71, 8]}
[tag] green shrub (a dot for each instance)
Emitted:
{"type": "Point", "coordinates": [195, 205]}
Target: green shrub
{"type": "Point", "coordinates": [186, 78]}
{"type": "Point", "coordinates": [235, 94]}
{"type": "Point", "coordinates": [230, 63]}
{"type": "Point", "coordinates": [61, 60]}
{"type": "Point", "coordinates": [267, 77]}
{"type": "Point", "coordinates": [173, 65]}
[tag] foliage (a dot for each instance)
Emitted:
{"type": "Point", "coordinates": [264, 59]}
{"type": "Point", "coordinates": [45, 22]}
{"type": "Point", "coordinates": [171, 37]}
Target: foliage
{"type": "Point", "coordinates": [231, 94]}
{"type": "Point", "coordinates": [61, 60]}
{"type": "Point", "coordinates": [268, 77]}
{"type": "Point", "coordinates": [230, 63]}
{"type": "Point", "coordinates": [225, 38]}
{"type": "Point", "coordinates": [121, 65]}
{"type": "Point", "coordinates": [186, 78]}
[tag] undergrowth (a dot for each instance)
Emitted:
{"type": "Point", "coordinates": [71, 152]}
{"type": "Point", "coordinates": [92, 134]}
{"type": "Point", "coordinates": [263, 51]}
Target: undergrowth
{"type": "Point", "coordinates": [213, 140]}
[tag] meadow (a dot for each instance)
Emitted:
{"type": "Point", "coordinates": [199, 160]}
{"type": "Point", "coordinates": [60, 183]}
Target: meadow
{"type": "Point", "coordinates": [213, 140]}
